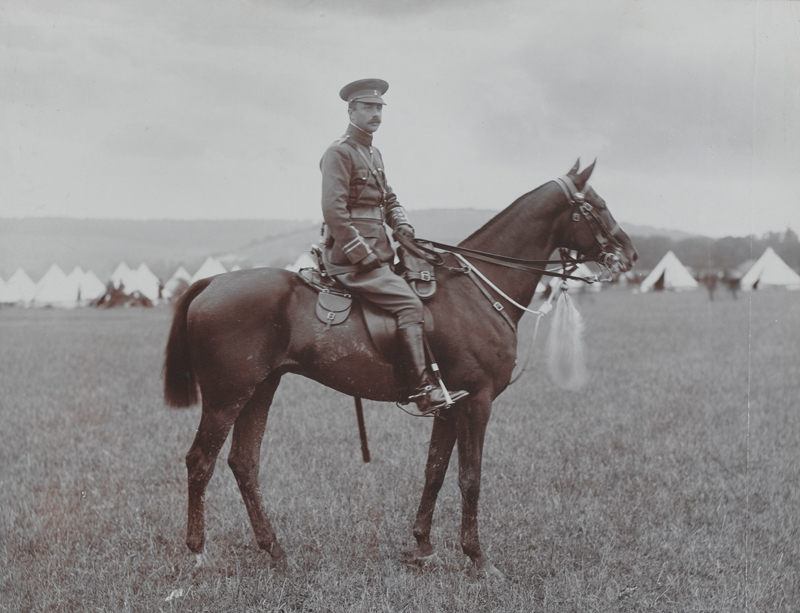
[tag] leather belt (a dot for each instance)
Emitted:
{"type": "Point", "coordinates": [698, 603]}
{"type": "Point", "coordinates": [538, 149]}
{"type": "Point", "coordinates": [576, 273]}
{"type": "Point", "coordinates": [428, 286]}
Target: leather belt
{"type": "Point", "coordinates": [366, 212]}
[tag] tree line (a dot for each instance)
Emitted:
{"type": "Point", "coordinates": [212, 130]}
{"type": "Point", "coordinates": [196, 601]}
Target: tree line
{"type": "Point", "coordinates": [704, 254]}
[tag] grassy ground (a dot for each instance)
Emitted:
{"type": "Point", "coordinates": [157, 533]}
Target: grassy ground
{"type": "Point", "coordinates": [671, 483]}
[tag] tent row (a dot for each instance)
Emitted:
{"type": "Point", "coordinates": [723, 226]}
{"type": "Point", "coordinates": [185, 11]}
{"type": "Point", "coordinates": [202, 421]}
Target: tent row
{"type": "Point", "coordinates": [669, 274]}
{"type": "Point", "coordinates": [55, 288]}
{"type": "Point", "coordinates": [79, 288]}
{"type": "Point", "coordinates": [768, 271]}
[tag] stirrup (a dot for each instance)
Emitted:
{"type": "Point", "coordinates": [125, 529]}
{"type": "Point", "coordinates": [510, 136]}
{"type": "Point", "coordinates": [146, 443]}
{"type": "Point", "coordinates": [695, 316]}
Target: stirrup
{"type": "Point", "coordinates": [426, 405]}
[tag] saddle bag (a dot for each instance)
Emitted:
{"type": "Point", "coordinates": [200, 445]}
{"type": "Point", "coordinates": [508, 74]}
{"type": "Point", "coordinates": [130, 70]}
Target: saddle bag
{"type": "Point", "coordinates": [333, 300]}
{"type": "Point", "coordinates": [333, 308]}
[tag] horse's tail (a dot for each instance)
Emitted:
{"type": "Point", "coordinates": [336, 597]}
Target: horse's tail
{"type": "Point", "coordinates": [180, 382]}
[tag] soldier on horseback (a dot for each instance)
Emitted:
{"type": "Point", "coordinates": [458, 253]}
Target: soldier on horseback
{"type": "Point", "coordinates": [356, 203]}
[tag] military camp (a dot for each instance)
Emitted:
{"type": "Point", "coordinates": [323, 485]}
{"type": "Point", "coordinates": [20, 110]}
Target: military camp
{"type": "Point", "coordinates": [402, 307]}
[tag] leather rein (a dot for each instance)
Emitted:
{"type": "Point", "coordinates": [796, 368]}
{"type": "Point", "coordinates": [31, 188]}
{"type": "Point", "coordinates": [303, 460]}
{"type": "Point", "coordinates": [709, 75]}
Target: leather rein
{"type": "Point", "coordinates": [608, 259]}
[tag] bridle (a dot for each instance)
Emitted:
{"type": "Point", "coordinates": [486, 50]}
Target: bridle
{"type": "Point", "coordinates": [610, 248]}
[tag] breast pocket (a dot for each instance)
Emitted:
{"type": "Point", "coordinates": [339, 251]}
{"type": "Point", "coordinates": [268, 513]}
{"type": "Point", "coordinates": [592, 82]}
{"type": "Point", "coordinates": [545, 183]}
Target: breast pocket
{"type": "Point", "coordinates": [359, 181]}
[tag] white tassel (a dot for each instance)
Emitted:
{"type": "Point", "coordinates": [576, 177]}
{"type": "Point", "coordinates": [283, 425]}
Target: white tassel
{"type": "Point", "coordinates": [566, 361]}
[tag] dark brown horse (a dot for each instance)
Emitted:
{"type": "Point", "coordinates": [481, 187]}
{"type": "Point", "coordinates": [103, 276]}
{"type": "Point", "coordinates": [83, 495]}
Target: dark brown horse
{"type": "Point", "coordinates": [236, 334]}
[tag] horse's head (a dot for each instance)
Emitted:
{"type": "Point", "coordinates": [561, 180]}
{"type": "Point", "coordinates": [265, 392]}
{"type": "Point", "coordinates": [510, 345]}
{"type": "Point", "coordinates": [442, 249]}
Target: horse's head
{"type": "Point", "coordinates": [590, 228]}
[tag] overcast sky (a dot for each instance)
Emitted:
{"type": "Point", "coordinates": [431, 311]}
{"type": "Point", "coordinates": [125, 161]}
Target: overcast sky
{"type": "Point", "coordinates": [223, 108]}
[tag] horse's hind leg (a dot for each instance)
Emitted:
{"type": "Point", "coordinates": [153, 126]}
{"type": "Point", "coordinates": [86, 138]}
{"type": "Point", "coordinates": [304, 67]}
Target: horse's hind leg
{"type": "Point", "coordinates": [244, 462]}
{"type": "Point", "coordinates": [443, 438]}
{"type": "Point", "coordinates": [211, 434]}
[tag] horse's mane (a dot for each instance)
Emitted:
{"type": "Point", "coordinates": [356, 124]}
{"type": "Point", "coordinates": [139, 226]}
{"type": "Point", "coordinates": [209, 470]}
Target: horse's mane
{"type": "Point", "coordinates": [501, 216]}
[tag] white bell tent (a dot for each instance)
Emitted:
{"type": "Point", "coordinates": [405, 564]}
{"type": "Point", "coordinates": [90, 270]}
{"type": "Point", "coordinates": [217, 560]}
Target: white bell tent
{"type": "Point", "coordinates": [210, 268]}
{"type": "Point", "coordinates": [180, 278]}
{"type": "Point", "coordinates": [56, 289]}
{"type": "Point", "coordinates": [770, 271]}
{"type": "Point", "coordinates": [121, 276]}
{"type": "Point", "coordinates": [76, 275]}
{"type": "Point", "coordinates": [19, 289]}
{"type": "Point", "coordinates": [90, 287]}
{"type": "Point", "coordinates": [669, 274]}
{"type": "Point", "coordinates": [145, 282]}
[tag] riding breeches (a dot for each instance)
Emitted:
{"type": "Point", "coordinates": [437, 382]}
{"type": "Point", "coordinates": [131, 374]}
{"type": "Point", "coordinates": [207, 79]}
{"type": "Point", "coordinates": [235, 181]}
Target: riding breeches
{"type": "Point", "coordinates": [389, 291]}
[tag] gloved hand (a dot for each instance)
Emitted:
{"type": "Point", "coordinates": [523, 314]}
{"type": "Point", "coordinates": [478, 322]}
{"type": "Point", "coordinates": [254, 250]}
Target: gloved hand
{"type": "Point", "coordinates": [405, 230]}
{"type": "Point", "coordinates": [371, 262]}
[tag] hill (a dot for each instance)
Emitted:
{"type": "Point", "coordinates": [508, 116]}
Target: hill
{"type": "Point", "coordinates": [100, 244]}
{"type": "Point", "coordinates": [634, 230]}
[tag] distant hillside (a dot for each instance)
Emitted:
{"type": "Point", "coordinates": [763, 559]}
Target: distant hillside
{"type": "Point", "coordinates": [100, 244]}
{"type": "Point", "coordinates": [648, 231]}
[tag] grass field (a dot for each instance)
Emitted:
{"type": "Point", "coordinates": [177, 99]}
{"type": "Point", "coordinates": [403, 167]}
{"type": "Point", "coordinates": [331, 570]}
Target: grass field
{"type": "Point", "coordinates": [670, 483]}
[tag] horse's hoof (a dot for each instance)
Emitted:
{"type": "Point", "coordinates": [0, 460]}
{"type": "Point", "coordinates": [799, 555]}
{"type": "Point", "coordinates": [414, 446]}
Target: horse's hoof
{"type": "Point", "coordinates": [280, 565]}
{"type": "Point", "coordinates": [430, 561]}
{"type": "Point", "coordinates": [485, 570]}
{"type": "Point", "coordinates": [490, 572]}
{"type": "Point", "coordinates": [277, 556]}
{"type": "Point", "coordinates": [412, 558]}
{"type": "Point", "coordinates": [199, 560]}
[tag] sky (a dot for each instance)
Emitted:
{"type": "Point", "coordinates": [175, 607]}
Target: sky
{"type": "Point", "coordinates": [222, 109]}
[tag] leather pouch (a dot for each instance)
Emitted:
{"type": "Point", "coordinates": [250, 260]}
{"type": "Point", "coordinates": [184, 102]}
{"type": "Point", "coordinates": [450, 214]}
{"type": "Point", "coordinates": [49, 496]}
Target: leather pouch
{"type": "Point", "coordinates": [332, 308]}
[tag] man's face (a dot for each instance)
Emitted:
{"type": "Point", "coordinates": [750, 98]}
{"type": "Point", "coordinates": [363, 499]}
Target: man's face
{"type": "Point", "coordinates": [366, 115]}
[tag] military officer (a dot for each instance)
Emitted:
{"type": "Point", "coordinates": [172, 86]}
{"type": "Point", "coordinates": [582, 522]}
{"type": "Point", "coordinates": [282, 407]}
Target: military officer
{"type": "Point", "coordinates": [356, 203]}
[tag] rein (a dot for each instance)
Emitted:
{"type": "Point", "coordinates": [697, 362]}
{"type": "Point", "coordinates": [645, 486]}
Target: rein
{"type": "Point", "coordinates": [434, 256]}
{"type": "Point", "coordinates": [609, 245]}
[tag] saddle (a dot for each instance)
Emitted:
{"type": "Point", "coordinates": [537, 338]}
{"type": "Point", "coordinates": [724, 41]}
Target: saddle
{"type": "Point", "coordinates": [335, 303]}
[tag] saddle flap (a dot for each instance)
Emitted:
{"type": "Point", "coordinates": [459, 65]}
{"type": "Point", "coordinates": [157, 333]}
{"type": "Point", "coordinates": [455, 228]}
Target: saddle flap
{"type": "Point", "coordinates": [382, 328]}
{"type": "Point", "coordinates": [332, 308]}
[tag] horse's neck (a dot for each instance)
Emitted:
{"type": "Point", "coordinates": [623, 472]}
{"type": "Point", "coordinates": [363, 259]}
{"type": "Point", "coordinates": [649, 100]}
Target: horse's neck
{"type": "Point", "coordinates": [524, 230]}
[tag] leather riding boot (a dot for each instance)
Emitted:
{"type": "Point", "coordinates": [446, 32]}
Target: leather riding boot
{"type": "Point", "coordinates": [427, 396]}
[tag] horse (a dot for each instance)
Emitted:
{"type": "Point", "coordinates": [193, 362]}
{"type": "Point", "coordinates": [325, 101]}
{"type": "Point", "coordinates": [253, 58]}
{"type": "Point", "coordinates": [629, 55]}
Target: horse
{"type": "Point", "coordinates": [233, 337]}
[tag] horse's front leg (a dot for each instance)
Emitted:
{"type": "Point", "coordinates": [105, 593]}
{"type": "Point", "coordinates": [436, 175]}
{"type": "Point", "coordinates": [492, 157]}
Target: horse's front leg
{"type": "Point", "coordinates": [471, 429]}
{"type": "Point", "coordinates": [443, 437]}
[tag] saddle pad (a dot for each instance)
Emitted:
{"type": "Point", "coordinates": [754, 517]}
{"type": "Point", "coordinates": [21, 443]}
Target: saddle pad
{"type": "Point", "coordinates": [333, 309]}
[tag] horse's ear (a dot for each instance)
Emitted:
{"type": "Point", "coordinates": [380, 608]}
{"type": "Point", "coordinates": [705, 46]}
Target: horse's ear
{"type": "Point", "coordinates": [583, 178]}
{"type": "Point", "coordinates": [575, 168]}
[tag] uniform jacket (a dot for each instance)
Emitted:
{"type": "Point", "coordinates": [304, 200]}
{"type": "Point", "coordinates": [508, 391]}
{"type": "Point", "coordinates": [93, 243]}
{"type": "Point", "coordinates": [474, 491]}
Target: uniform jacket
{"type": "Point", "coordinates": [356, 202]}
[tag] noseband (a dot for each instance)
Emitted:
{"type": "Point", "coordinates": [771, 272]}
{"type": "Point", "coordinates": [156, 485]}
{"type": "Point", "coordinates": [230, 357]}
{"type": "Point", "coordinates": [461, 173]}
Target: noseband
{"type": "Point", "coordinates": [610, 247]}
